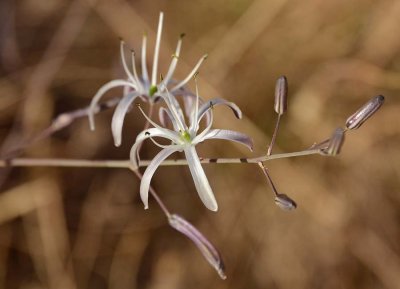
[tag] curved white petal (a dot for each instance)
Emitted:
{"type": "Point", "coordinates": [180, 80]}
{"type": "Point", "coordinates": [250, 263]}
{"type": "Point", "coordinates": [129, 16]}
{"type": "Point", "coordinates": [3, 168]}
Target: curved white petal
{"type": "Point", "coordinates": [119, 116]}
{"type": "Point", "coordinates": [227, 135]}
{"type": "Point", "coordinates": [100, 93]}
{"type": "Point", "coordinates": [148, 174]}
{"type": "Point", "coordinates": [157, 49]}
{"type": "Point", "coordinates": [200, 180]}
{"type": "Point", "coordinates": [151, 132]}
{"type": "Point", "coordinates": [217, 101]}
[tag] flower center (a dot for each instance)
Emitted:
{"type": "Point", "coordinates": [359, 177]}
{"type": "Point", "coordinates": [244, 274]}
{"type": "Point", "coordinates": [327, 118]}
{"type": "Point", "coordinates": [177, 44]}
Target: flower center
{"type": "Point", "coordinates": [185, 136]}
{"type": "Point", "coordinates": [153, 89]}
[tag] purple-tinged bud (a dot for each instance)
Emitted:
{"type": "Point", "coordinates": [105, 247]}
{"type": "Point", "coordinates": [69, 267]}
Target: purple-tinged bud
{"type": "Point", "coordinates": [285, 203]}
{"type": "Point", "coordinates": [365, 112]}
{"type": "Point", "coordinates": [281, 91]}
{"type": "Point", "coordinates": [335, 143]}
{"type": "Point", "coordinates": [206, 248]}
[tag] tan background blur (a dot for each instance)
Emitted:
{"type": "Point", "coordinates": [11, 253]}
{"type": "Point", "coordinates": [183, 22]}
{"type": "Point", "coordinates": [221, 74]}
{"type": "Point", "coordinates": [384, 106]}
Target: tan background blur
{"type": "Point", "coordinates": [86, 228]}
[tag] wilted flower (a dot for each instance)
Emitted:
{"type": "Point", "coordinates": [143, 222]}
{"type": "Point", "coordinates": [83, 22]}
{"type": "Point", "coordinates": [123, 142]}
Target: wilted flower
{"type": "Point", "coordinates": [135, 86]}
{"type": "Point", "coordinates": [206, 248]}
{"type": "Point", "coordinates": [185, 138]}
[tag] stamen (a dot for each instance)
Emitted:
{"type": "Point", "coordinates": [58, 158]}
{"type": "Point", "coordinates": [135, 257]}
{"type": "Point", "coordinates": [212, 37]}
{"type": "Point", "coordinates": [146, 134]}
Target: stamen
{"type": "Point", "coordinates": [133, 55]}
{"type": "Point", "coordinates": [127, 71]}
{"type": "Point", "coordinates": [157, 49]}
{"type": "Point", "coordinates": [158, 144]}
{"type": "Point", "coordinates": [195, 69]}
{"type": "Point", "coordinates": [175, 58]}
{"type": "Point", "coordinates": [146, 117]}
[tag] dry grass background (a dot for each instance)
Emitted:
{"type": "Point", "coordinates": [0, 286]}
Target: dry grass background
{"type": "Point", "coordinates": [86, 228]}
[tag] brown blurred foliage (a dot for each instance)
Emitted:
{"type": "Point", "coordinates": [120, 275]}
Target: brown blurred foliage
{"type": "Point", "coordinates": [86, 228]}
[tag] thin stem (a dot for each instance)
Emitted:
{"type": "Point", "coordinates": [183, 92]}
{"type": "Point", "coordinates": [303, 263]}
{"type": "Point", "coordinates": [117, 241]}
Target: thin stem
{"type": "Point", "coordinates": [60, 122]}
{"type": "Point", "coordinates": [31, 162]}
{"type": "Point", "coordinates": [265, 171]}
{"type": "Point", "coordinates": [274, 135]}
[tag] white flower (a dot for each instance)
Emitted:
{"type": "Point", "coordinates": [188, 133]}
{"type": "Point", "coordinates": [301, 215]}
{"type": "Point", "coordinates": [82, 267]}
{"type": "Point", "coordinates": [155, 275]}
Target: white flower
{"type": "Point", "coordinates": [140, 86]}
{"type": "Point", "coordinates": [185, 138]}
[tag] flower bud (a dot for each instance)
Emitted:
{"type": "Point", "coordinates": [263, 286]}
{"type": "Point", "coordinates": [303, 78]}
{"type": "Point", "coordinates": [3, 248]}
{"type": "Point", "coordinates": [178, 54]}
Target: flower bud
{"type": "Point", "coordinates": [285, 203]}
{"type": "Point", "coordinates": [365, 112]}
{"type": "Point", "coordinates": [206, 248]}
{"type": "Point", "coordinates": [281, 91]}
{"type": "Point", "coordinates": [335, 143]}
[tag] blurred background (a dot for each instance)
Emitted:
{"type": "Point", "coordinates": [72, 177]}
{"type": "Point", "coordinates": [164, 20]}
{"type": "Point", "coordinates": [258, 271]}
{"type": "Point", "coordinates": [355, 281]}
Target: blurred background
{"type": "Point", "coordinates": [86, 227]}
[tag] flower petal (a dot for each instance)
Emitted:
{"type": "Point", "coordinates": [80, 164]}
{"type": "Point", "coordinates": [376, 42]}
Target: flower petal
{"type": "Point", "coordinates": [217, 101]}
{"type": "Point", "coordinates": [148, 174]}
{"type": "Point", "coordinates": [151, 132]}
{"type": "Point", "coordinates": [157, 50]}
{"type": "Point", "coordinates": [119, 116]}
{"type": "Point", "coordinates": [145, 74]}
{"type": "Point", "coordinates": [200, 180]}
{"type": "Point", "coordinates": [227, 135]}
{"type": "Point", "coordinates": [101, 92]}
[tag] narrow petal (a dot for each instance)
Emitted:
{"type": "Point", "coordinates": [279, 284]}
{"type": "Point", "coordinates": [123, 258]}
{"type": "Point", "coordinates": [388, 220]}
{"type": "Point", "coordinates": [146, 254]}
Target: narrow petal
{"type": "Point", "coordinates": [145, 74]}
{"type": "Point", "coordinates": [157, 49]}
{"type": "Point", "coordinates": [148, 174]}
{"type": "Point", "coordinates": [119, 116]}
{"type": "Point", "coordinates": [191, 74]}
{"type": "Point", "coordinates": [217, 101]}
{"type": "Point", "coordinates": [227, 135]}
{"type": "Point", "coordinates": [100, 93]}
{"type": "Point", "coordinates": [200, 180]}
{"type": "Point", "coordinates": [151, 132]}
{"type": "Point", "coordinates": [175, 109]}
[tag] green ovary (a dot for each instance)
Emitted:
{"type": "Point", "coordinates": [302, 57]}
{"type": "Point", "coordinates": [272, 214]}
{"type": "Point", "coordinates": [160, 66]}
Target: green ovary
{"type": "Point", "coordinates": [186, 136]}
{"type": "Point", "coordinates": [153, 89]}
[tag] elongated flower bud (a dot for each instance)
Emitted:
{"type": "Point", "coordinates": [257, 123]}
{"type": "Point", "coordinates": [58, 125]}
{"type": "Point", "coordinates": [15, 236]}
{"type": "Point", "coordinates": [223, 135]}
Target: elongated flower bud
{"type": "Point", "coordinates": [365, 112]}
{"type": "Point", "coordinates": [206, 248]}
{"type": "Point", "coordinates": [285, 203]}
{"type": "Point", "coordinates": [281, 91]}
{"type": "Point", "coordinates": [335, 143]}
